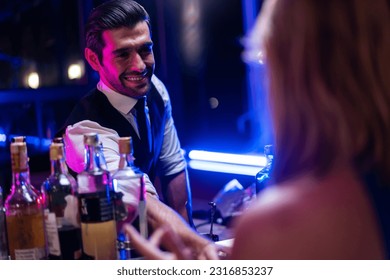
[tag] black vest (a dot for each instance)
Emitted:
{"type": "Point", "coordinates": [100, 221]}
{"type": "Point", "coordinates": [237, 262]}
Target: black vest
{"type": "Point", "coordinates": [96, 107]}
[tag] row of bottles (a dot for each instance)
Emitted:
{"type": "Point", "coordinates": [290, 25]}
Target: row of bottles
{"type": "Point", "coordinates": [69, 219]}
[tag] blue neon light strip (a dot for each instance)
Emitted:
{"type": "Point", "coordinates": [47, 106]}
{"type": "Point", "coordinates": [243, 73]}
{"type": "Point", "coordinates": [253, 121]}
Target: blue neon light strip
{"type": "Point", "coordinates": [223, 167]}
{"type": "Point", "coordinates": [247, 160]}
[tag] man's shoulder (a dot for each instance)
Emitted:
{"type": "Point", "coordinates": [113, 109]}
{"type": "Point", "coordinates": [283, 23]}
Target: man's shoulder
{"type": "Point", "coordinates": [93, 106]}
{"type": "Point", "coordinates": [157, 83]}
{"type": "Point", "coordinates": [93, 94]}
{"type": "Point", "coordinates": [90, 106]}
{"type": "Point", "coordinates": [160, 88]}
{"type": "Point", "coordinates": [91, 101]}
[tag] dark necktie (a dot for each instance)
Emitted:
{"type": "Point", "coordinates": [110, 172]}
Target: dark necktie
{"type": "Point", "coordinates": [143, 125]}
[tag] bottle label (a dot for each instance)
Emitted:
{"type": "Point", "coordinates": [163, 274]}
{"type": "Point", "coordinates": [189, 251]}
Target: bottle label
{"type": "Point", "coordinates": [83, 183]}
{"type": "Point", "coordinates": [30, 254]}
{"type": "Point", "coordinates": [57, 200]}
{"type": "Point", "coordinates": [26, 234]}
{"type": "Point", "coordinates": [52, 234]}
{"type": "Point", "coordinates": [96, 207]}
{"type": "Point", "coordinates": [71, 215]}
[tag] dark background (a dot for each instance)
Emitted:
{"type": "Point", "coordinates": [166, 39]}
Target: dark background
{"type": "Point", "coordinates": [198, 56]}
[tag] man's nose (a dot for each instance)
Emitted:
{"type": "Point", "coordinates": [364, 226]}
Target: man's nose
{"type": "Point", "coordinates": [137, 64]}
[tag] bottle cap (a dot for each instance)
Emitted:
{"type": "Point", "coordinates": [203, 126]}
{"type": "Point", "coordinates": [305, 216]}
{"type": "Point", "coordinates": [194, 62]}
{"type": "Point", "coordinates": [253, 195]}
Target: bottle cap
{"type": "Point", "coordinates": [56, 151]}
{"type": "Point", "coordinates": [18, 139]}
{"type": "Point", "coordinates": [91, 139]}
{"type": "Point", "coordinates": [19, 159]}
{"type": "Point", "coordinates": [125, 145]}
{"type": "Point", "coordinates": [58, 140]}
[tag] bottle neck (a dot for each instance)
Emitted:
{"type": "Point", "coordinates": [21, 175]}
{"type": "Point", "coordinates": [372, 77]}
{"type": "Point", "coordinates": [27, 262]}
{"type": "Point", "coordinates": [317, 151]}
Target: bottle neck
{"type": "Point", "coordinates": [93, 160]}
{"type": "Point", "coordinates": [126, 160]}
{"type": "Point", "coordinates": [20, 178]}
{"type": "Point", "coordinates": [58, 166]}
{"type": "Point", "coordinates": [21, 185]}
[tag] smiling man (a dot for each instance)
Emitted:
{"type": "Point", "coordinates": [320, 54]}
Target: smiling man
{"type": "Point", "coordinates": [120, 48]}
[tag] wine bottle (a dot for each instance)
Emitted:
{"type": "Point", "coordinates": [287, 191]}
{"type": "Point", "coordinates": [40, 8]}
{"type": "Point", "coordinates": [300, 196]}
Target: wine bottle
{"type": "Point", "coordinates": [3, 230]}
{"type": "Point", "coordinates": [130, 179]}
{"type": "Point", "coordinates": [61, 208]}
{"type": "Point", "coordinates": [96, 208]}
{"type": "Point", "coordinates": [22, 139]}
{"type": "Point", "coordinates": [24, 211]}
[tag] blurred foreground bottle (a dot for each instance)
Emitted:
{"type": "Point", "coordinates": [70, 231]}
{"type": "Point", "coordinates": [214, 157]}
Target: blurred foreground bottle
{"type": "Point", "coordinates": [263, 176]}
{"type": "Point", "coordinates": [3, 230]}
{"type": "Point", "coordinates": [24, 211]}
{"type": "Point", "coordinates": [61, 214]}
{"type": "Point", "coordinates": [98, 226]}
{"type": "Point", "coordinates": [130, 179]}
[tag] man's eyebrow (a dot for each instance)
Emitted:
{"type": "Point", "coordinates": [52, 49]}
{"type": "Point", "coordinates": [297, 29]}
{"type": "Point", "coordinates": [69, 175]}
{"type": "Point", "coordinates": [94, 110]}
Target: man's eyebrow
{"type": "Point", "coordinates": [148, 44]}
{"type": "Point", "coordinates": [126, 49]}
{"type": "Point", "coordinates": [121, 50]}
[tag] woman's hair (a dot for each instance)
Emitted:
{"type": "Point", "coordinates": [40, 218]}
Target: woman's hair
{"type": "Point", "coordinates": [111, 15]}
{"type": "Point", "coordinates": [329, 66]}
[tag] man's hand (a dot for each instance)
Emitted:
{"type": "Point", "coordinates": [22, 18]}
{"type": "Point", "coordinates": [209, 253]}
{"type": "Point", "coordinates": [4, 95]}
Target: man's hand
{"type": "Point", "coordinates": [176, 249]}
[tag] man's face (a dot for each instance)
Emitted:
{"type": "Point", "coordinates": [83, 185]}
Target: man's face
{"type": "Point", "coordinates": [128, 61]}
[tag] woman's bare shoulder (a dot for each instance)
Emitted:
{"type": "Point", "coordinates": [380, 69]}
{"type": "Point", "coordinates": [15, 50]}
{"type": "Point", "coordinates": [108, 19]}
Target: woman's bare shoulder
{"type": "Point", "coordinates": [304, 219]}
{"type": "Point", "coordinates": [261, 229]}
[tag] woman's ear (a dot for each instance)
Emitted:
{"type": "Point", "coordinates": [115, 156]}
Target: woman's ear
{"type": "Point", "coordinates": [92, 59]}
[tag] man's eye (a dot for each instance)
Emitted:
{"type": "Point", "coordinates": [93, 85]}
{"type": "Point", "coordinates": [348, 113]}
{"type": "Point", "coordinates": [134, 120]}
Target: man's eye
{"type": "Point", "coordinates": [122, 55]}
{"type": "Point", "coordinates": [146, 50]}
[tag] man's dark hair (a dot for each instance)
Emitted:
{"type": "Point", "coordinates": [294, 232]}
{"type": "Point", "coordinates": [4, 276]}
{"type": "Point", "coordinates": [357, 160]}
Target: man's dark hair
{"type": "Point", "coordinates": [111, 15]}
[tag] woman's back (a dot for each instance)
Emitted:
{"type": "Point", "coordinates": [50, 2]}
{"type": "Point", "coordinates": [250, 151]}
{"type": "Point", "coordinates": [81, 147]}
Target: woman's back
{"type": "Point", "coordinates": [329, 97]}
{"type": "Point", "coordinates": [307, 218]}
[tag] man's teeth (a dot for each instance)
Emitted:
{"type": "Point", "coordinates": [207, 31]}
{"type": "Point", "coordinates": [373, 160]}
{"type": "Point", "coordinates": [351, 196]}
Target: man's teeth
{"type": "Point", "coordinates": [134, 78]}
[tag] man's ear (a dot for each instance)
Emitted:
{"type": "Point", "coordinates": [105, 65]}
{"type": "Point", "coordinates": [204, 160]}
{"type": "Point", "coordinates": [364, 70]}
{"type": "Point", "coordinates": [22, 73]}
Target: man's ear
{"type": "Point", "coordinates": [92, 59]}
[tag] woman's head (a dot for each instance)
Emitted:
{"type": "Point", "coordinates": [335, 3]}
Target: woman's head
{"type": "Point", "coordinates": [328, 64]}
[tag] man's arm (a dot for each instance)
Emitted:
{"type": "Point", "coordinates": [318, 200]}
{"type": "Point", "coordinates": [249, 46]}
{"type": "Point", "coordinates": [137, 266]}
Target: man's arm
{"type": "Point", "coordinates": [177, 193]}
{"type": "Point", "coordinates": [159, 215]}
{"type": "Point", "coordinates": [172, 173]}
{"type": "Point", "coordinates": [75, 154]}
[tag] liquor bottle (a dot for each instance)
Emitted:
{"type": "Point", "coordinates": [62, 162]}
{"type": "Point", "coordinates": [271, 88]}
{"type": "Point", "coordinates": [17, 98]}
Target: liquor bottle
{"type": "Point", "coordinates": [61, 210]}
{"type": "Point", "coordinates": [24, 211]}
{"type": "Point", "coordinates": [96, 208]}
{"type": "Point", "coordinates": [3, 230]}
{"type": "Point", "coordinates": [263, 176]}
{"type": "Point", "coordinates": [130, 177]}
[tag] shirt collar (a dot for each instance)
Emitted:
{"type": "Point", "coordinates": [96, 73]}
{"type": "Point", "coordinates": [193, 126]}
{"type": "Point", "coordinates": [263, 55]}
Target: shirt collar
{"type": "Point", "coordinates": [120, 102]}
